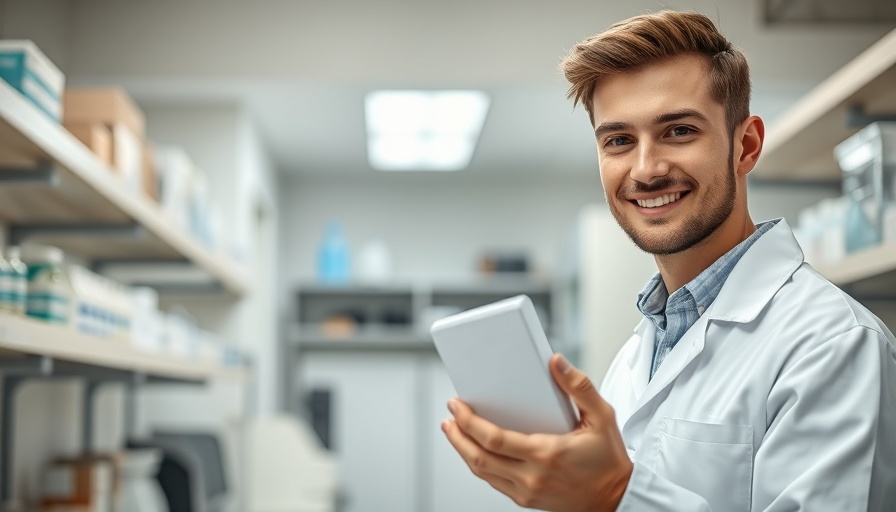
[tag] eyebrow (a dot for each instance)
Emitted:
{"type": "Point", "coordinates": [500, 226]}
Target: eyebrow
{"type": "Point", "coordinates": [668, 117]}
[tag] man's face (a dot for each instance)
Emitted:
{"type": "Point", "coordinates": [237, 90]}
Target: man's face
{"type": "Point", "coordinates": [664, 153]}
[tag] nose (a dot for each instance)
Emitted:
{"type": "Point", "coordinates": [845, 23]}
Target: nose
{"type": "Point", "coordinates": [649, 163]}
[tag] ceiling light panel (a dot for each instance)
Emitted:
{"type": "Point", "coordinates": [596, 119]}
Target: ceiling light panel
{"type": "Point", "coordinates": [423, 130]}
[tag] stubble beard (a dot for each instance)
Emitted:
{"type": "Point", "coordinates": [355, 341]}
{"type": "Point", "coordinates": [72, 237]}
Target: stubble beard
{"type": "Point", "coordinates": [694, 230]}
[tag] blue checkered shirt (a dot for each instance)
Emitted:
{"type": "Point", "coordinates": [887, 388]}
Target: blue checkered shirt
{"type": "Point", "coordinates": [674, 314]}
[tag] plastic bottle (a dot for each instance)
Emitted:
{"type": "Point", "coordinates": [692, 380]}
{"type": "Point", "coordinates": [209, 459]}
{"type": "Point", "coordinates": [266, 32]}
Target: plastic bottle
{"type": "Point", "coordinates": [7, 282]}
{"type": "Point", "coordinates": [49, 293]}
{"type": "Point", "coordinates": [18, 298]}
{"type": "Point", "coordinates": [332, 258]}
{"type": "Point", "coordinates": [375, 262]}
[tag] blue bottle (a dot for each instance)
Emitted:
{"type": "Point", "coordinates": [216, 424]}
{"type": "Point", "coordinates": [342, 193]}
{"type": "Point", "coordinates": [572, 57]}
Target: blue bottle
{"type": "Point", "coordinates": [332, 257]}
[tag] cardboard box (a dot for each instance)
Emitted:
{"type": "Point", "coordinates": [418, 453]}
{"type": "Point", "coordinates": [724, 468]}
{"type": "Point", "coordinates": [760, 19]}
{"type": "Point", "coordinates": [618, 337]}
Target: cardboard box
{"type": "Point", "coordinates": [110, 106]}
{"type": "Point", "coordinates": [87, 482]}
{"type": "Point", "coordinates": [150, 175]}
{"type": "Point", "coordinates": [30, 72]}
{"type": "Point", "coordinates": [97, 137]}
{"type": "Point", "coordinates": [127, 155]}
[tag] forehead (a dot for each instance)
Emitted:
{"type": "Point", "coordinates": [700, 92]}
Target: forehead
{"type": "Point", "coordinates": [668, 85]}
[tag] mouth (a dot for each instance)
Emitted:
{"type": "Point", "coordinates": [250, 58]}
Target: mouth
{"type": "Point", "coordinates": [659, 201]}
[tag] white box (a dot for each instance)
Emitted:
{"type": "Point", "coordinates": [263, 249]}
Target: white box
{"type": "Point", "coordinates": [30, 72]}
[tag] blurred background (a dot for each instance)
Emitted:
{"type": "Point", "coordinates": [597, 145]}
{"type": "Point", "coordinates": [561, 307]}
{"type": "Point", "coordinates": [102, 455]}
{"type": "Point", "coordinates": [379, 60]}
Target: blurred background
{"type": "Point", "coordinates": [236, 261]}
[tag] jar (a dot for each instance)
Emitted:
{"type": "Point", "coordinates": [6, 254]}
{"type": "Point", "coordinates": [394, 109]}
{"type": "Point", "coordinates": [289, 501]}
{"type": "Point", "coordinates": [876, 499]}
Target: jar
{"type": "Point", "coordinates": [49, 293]}
{"type": "Point", "coordinates": [18, 281]}
{"type": "Point", "coordinates": [7, 278]}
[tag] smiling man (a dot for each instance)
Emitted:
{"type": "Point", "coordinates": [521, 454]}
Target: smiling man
{"type": "Point", "coordinates": [752, 383]}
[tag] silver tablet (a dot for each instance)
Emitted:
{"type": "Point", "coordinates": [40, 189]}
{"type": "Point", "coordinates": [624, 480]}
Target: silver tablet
{"type": "Point", "coordinates": [497, 357]}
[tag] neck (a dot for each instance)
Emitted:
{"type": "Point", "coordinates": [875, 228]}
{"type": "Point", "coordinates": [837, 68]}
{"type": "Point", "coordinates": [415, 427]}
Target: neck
{"type": "Point", "coordinates": [681, 268]}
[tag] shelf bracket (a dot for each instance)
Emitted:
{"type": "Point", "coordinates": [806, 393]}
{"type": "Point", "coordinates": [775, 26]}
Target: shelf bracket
{"type": "Point", "coordinates": [91, 387]}
{"type": "Point", "coordinates": [15, 372]}
{"type": "Point", "coordinates": [43, 173]}
{"type": "Point", "coordinates": [856, 117]}
{"type": "Point", "coordinates": [22, 232]}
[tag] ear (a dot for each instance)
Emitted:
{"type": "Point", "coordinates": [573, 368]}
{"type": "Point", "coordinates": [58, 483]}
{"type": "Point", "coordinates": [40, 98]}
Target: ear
{"type": "Point", "coordinates": [748, 139]}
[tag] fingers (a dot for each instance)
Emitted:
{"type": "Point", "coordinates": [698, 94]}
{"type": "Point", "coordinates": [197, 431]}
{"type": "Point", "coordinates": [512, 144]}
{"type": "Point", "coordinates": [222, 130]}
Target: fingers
{"type": "Point", "coordinates": [488, 435]}
{"type": "Point", "coordinates": [579, 387]}
{"type": "Point", "coordinates": [496, 469]}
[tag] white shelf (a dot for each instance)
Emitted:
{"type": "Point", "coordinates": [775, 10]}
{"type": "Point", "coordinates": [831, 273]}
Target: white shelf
{"type": "Point", "coordinates": [88, 193]}
{"type": "Point", "coordinates": [871, 262]}
{"type": "Point", "coordinates": [368, 334]}
{"type": "Point", "coordinates": [800, 144]}
{"type": "Point", "coordinates": [22, 335]}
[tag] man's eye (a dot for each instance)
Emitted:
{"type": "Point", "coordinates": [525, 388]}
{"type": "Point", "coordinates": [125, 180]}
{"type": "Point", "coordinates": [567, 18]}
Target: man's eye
{"type": "Point", "coordinates": [681, 131]}
{"type": "Point", "coordinates": [617, 141]}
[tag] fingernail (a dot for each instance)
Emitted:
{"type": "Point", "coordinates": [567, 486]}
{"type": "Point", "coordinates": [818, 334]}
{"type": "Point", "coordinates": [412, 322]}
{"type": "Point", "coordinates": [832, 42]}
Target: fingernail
{"type": "Point", "coordinates": [451, 406]}
{"type": "Point", "coordinates": [445, 426]}
{"type": "Point", "coordinates": [563, 365]}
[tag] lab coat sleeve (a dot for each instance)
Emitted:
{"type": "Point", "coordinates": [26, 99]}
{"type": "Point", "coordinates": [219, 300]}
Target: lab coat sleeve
{"type": "Point", "coordinates": [823, 416]}
{"type": "Point", "coordinates": [819, 448]}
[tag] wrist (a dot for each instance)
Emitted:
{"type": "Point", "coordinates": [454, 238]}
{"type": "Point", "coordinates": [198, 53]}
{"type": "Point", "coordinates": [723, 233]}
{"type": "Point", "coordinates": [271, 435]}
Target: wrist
{"type": "Point", "coordinates": [616, 489]}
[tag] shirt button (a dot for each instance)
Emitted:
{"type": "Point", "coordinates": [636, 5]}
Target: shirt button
{"type": "Point", "coordinates": [700, 310]}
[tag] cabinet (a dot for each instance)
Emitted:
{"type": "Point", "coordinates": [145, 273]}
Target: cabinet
{"type": "Point", "coordinates": [374, 388]}
{"type": "Point", "coordinates": [53, 190]}
{"type": "Point", "coordinates": [800, 144]}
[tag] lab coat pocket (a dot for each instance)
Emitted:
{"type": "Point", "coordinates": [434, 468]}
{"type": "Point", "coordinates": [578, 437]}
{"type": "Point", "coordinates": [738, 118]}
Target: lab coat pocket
{"type": "Point", "coordinates": [712, 460]}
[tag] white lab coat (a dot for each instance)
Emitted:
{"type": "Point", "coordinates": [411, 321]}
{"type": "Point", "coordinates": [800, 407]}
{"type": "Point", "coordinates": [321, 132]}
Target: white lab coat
{"type": "Point", "coordinates": [781, 397]}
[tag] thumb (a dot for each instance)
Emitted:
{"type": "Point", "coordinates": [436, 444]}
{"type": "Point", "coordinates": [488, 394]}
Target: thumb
{"type": "Point", "coordinates": [578, 386]}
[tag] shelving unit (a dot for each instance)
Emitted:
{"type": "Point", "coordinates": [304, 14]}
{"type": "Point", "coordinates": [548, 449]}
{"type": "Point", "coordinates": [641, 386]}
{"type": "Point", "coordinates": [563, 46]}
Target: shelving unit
{"type": "Point", "coordinates": [54, 188]}
{"type": "Point", "coordinates": [22, 336]}
{"type": "Point", "coordinates": [871, 273]}
{"type": "Point", "coordinates": [799, 146]}
{"type": "Point", "coordinates": [391, 316]}
{"type": "Point", "coordinates": [54, 191]}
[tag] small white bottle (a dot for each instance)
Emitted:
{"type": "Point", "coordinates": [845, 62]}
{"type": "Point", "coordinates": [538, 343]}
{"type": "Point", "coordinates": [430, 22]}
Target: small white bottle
{"type": "Point", "coordinates": [7, 282]}
{"type": "Point", "coordinates": [18, 289]}
{"type": "Point", "coordinates": [49, 293]}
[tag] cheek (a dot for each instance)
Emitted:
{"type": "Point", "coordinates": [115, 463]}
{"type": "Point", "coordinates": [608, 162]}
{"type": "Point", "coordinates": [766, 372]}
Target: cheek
{"type": "Point", "coordinates": [611, 175]}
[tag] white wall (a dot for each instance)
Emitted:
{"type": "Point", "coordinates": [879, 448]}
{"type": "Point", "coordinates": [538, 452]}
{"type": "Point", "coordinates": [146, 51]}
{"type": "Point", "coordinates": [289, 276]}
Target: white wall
{"type": "Point", "coordinates": [222, 142]}
{"type": "Point", "coordinates": [436, 226]}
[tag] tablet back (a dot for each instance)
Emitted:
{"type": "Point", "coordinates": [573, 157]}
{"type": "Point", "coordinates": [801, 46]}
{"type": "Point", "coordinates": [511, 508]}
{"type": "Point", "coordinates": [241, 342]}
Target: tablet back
{"type": "Point", "coordinates": [497, 357]}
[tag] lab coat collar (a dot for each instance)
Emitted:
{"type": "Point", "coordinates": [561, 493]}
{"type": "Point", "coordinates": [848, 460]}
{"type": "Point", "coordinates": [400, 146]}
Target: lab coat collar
{"type": "Point", "coordinates": [759, 274]}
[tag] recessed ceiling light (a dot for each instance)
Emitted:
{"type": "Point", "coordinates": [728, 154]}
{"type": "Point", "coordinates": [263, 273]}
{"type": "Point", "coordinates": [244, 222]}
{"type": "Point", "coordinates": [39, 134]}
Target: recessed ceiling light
{"type": "Point", "coordinates": [423, 130]}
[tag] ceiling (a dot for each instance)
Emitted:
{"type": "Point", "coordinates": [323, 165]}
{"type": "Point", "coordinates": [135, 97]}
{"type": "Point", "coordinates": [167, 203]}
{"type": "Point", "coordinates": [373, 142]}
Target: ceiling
{"type": "Point", "coordinates": [301, 67]}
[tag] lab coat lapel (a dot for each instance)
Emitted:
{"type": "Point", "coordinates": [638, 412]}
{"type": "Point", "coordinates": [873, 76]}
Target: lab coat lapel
{"type": "Point", "coordinates": [642, 358]}
{"type": "Point", "coordinates": [688, 347]}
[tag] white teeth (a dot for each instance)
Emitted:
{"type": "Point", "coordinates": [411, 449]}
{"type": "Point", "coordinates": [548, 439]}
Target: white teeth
{"type": "Point", "coordinates": [659, 201]}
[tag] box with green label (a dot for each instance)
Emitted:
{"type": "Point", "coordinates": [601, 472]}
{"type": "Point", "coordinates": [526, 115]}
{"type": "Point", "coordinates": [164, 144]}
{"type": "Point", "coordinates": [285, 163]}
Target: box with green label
{"type": "Point", "coordinates": [30, 72]}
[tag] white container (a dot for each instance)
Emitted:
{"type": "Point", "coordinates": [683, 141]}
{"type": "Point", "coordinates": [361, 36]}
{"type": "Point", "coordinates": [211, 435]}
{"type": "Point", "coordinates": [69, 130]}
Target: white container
{"type": "Point", "coordinates": [7, 286]}
{"type": "Point", "coordinates": [140, 491]}
{"type": "Point", "coordinates": [375, 262]}
{"type": "Point", "coordinates": [49, 292]}
{"type": "Point", "coordinates": [146, 321]}
{"type": "Point", "coordinates": [30, 72]}
{"type": "Point", "coordinates": [867, 162]}
{"type": "Point", "coordinates": [18, 281]}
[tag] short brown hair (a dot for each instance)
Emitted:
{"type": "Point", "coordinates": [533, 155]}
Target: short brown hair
{"type": "Point", "coordinates": [638, 41]}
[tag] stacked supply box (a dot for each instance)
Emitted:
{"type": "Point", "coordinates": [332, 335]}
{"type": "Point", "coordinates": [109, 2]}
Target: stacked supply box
{"type": "Point", "coordinates": [92, 111]}
{"type": "Point", "coordinates": [868, 164]}
{"type": "Point", "coordinates": [31, 73]}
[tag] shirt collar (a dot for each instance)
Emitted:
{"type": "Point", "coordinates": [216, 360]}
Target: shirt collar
{"type": "Point", "coordinates": [703, 289]}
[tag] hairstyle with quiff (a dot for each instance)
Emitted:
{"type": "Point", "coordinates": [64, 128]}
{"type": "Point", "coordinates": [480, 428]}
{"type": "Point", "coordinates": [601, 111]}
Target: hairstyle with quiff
{"type": "Point", "coordinates": [635, 42]}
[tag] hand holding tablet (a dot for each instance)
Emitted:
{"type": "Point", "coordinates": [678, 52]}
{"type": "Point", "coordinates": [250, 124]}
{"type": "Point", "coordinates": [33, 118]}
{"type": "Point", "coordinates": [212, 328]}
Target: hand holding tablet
{"type": "Point", "coordinates": [497, 357]}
